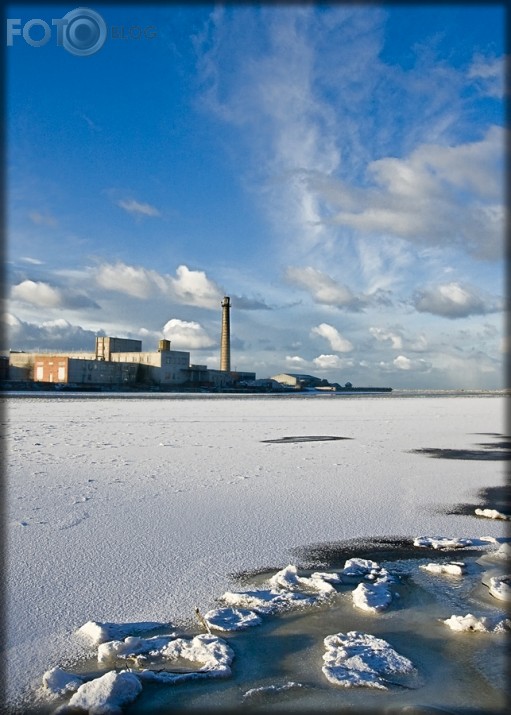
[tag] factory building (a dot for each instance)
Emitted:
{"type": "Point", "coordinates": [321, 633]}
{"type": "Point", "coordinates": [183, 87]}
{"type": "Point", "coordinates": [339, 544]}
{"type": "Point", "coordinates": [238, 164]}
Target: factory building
{"type": "Point", "coordinates": [297, 380]}
{"type": "Point", "coordinates": [65, 370]}
{"type": "Point", "coordinates": [165, 367]}
{"type": "Point", "coordinates": [122, 362]}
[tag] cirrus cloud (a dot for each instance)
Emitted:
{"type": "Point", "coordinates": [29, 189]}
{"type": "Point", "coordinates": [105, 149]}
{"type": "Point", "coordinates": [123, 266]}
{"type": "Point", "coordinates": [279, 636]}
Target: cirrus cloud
{"type": "Point", "coordinates": [138, 208]}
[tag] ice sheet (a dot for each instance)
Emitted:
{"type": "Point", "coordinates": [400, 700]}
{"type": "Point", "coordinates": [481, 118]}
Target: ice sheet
{"type": "Point", "coordinates": [139, 510]}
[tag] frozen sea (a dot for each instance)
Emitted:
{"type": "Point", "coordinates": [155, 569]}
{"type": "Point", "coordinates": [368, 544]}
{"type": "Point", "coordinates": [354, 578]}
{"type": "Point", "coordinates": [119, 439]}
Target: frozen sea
{"type": "Point", "coordinates": [142, 508]}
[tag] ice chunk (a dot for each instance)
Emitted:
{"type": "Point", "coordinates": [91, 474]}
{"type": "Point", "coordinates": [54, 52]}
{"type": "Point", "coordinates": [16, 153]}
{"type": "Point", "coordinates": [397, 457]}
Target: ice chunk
{"type": "Point", "coordinates": [500, 587]}
{"type": "Point", "coordinates": [441, 542]}
{"type": "Point", "coordinates": [330, 577]}
{"type": "Point", "coordinates": [267, 601]}
{"type": "Point", "coordinates": [484, 624]}
{"type": "Point", "coordinates": [98, 632]}
{"type": "Point", "coordinates": [491, 514]}
{"type": "Point", "coordinates": [453, 568]}
{"type": "Point", "coordinates": [59, 682]}
{"type": "Point", "coordinates": [357, 659]}
{"type": "Point", "coordinates": [105, 695]}
{"type": "Point", "coordinates": [207, 653]}
{"type": "Point", "coordinates": [212, 653]}
{"type": "Point", "coordinates": [360, 567]}
{"type": "Point", "coordinates": [231, 619]}
{"type": "Point", "coordinates": [132, 646]}
{"type": "Point", "coordinates": [376, 596]}
{"type": "Point", "coordinates": [288, 579]}
{"type": "Point", "coordinates": [503, 552]}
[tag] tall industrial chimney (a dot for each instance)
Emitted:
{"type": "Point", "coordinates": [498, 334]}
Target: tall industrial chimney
{"type": "Point", "coordinates": [225, 340]}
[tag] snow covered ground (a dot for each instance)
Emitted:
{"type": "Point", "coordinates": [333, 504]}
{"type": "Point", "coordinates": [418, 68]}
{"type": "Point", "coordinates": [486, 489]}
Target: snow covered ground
{"type": "Point", "coordinates": [142, 508]}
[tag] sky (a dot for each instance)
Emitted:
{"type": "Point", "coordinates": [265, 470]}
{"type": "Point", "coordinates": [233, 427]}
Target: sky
{"type": "Point", "coordinates": [337, 170]}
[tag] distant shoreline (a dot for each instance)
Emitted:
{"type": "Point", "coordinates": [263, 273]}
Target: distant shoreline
{"type": "Point", "coordinates": [195, 394]}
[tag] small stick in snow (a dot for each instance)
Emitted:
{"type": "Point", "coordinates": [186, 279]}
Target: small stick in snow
{"type": "Point", "coordinates": [202, 620]}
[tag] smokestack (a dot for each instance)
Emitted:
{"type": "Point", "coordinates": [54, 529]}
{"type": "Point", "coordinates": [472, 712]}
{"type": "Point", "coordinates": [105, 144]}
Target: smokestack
{"type": "Point", "coordinates": [225, 341]}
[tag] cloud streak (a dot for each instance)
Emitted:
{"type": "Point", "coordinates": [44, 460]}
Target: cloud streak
{"type": "Point", "coordinates": [137, 208]}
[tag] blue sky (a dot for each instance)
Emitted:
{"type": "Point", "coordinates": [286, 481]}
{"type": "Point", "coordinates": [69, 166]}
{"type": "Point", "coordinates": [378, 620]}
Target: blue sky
{"type": "Point", "coordinates": [337, 170]}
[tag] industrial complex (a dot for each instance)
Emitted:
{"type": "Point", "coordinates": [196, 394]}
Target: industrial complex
{"type": "Point", "coordinates": [120, 363]}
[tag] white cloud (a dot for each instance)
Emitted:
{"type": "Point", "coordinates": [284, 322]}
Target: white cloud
{"type": "Point", "coordinates": [186, 335]}
{"type": "Point", "coordinates": [382, 335]}
{"type": "Point", "coordinates": [295, 362]}
{"type": "Point", "coordinates": [138, 208]}
{"type": "Point", "coordinates": [334, 337]}
{"type": "Point", "coordinates": [195, 288]}
{"type": "Point", "coordinates": [331, 362]}
{"type": "Point", "coordinates": [132, 280]}
{"type": "Point", "coordinates": [439, 195]}
{"type": "Point", "coordinates": [188, 287]}
{"type": "Point", "coordinates": [37, 293]}
{"type": "Point", "coordinates": [322, 287]}
{"type": "Point", "coordinates": [403, 363]}
{"type": "Point", "coordinates": [454, 300]}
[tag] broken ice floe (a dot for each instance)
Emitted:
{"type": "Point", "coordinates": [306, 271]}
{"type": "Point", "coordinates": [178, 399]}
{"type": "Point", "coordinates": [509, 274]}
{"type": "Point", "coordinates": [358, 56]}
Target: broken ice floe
{"type": "Point", "coordinates": [212, 653]}
{"type": "Point", "coordinates": [231, 619]}
{"type": "Point", "coordinates": [288, 579]}
{"type": "Point", "coordinates": [484, 624]}
{"type": "Point", "coordinates": [441, 542]}
{"type": "Point", "coordinates": [132, 647]}
{"type": "Point", "coordinates": [374, 597]}
{"type": "Point", "coordinates": [503, 553]}
{"type": "Point", "coordinates": [500, 587]}
{"type": "Point", "coordinates": [491, 514]}
{"type": "Point", "coordinates": [105, 695]}
{"type": "Point", "coordinates": [267, 602]}
{"type": "Point", "coordinates": [453, 568]}
{"type": "Point", "coordinates": [98, 632]}
{"type": "Point", "coordinates": [59, 682]}
{"type": "Point", "coordinates": [356, 659]}
{"type": "Point", "coordinates": [288, 590]}
{"type": "Point", "coordinates": [360, 567]}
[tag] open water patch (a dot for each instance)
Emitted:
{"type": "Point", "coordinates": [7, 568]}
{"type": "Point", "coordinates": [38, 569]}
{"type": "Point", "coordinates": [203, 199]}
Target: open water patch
{"type": "Point", "coordinates": [478, 454]}
{"type": "Point", "coordinates": [492, 451]}
{"type": "Point", "coordinates": [493, 499]}
{"type": "Point", "coordinates": [304, 438]}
